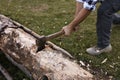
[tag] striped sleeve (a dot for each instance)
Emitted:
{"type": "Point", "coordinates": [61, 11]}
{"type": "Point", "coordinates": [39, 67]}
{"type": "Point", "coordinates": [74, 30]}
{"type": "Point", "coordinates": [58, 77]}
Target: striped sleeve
{"type": "Point", "coordinates": [80, 1]}
{"type": "Point", "coordinates": [89, 4]}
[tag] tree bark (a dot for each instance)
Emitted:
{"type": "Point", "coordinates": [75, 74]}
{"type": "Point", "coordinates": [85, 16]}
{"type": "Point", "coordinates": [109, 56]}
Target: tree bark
{"type": "Point", "coordinates": [51, 63]}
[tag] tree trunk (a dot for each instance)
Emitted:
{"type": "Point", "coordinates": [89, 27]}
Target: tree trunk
{"type": "Point", "coordinates": [51, 63]}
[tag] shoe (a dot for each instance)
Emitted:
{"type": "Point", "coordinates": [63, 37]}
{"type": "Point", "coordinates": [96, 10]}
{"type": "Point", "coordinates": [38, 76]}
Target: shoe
{"type": "Point", "coordinates": [96, 50]}
{"type": "Point", "coordinates": [116, 19]}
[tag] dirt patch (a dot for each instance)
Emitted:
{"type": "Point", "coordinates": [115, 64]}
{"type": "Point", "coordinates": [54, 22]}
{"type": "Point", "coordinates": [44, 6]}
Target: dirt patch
{"type": "Point", "coordinates": [40, 8]}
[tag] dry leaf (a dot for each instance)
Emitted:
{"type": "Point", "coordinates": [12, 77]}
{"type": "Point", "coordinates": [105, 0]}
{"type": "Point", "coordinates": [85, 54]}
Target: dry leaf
{"type": "Point", "coordinates": [104, 61]}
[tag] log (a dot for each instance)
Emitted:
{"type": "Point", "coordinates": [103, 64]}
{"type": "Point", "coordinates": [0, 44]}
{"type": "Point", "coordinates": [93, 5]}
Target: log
{"type": "Point", "coordinates": [51, 63]}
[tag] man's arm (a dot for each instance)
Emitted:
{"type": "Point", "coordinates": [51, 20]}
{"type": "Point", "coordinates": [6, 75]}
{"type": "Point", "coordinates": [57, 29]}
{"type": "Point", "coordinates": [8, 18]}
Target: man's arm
{"type": "Point", "coordinates": [79, 6]}
{"type": "Point", "coordinates": [78, 19]}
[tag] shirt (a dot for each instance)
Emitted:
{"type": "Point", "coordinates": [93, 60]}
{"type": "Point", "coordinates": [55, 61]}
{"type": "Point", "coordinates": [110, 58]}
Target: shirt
{"type": "Point", "coordinates": [89, 4]}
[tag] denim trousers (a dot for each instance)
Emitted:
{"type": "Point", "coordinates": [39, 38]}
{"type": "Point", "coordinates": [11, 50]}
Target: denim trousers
{"type": "Point", "coordinates": [104, 21]}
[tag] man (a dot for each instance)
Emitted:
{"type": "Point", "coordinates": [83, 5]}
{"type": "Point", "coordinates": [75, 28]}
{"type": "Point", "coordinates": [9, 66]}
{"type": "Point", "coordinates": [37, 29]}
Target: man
{"type": "Point", "coordinates": [104, 21]}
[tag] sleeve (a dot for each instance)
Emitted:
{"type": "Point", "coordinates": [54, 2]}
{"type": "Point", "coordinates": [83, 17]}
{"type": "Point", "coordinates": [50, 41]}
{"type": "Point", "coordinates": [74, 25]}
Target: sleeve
{"type": "Point", "coordinates": [90, 4]}
{"type": "Point", "coordinates": [80, 1]}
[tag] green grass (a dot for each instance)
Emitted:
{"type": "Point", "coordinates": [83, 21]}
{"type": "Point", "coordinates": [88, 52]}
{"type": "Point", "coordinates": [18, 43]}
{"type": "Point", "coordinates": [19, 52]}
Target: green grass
{"type": "Point", "coordinates": [49, 16]}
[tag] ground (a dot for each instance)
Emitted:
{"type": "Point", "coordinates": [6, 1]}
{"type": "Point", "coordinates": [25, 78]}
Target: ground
{"type": "Point", "coordinates": [49, 16]}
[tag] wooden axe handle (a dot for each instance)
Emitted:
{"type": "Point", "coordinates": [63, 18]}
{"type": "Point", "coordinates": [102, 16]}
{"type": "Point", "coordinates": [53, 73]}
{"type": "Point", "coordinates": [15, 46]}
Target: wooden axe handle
{"type": "Point", "coordinates": [54, 35]}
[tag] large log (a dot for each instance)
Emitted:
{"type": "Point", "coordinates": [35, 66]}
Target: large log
{"type": "Point", "coordinates": [51, 63]}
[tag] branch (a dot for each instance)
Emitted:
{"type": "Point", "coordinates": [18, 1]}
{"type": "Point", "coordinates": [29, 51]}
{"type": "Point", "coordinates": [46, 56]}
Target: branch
{"type": "Point", "coordinates": [5, 73]}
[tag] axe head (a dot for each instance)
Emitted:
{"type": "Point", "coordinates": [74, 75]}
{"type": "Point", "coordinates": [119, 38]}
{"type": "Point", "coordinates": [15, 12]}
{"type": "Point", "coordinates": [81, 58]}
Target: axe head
{"type": "Point", "coordinates": [41, 43]}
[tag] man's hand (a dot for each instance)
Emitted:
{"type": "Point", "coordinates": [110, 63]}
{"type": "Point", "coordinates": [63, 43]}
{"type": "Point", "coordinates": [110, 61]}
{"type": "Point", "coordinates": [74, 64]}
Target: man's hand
{"type": "Point", "coordinates": [75, 22]}
{"type": "Point", "coordinates": [68, 29]}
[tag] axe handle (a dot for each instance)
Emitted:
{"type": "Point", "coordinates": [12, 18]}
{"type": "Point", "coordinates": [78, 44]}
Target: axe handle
{"type": "Point", "coordinates": [54, 35]}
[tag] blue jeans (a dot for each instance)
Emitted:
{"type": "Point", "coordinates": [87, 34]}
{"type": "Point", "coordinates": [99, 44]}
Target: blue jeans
{"type": "Point", "coordinates": [104, 21]}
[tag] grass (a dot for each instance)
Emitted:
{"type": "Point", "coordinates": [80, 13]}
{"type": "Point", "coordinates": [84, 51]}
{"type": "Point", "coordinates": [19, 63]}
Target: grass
{"type": "Point", "coordinates": [49, 16]}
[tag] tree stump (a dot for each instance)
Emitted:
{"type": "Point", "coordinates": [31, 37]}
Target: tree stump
{"type": "Point", "coordinates": [51, 63]}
